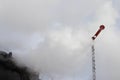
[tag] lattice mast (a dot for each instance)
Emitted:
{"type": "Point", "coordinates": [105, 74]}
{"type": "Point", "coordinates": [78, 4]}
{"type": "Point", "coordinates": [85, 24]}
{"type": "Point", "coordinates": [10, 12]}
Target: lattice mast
{"type": "Point", "coordinates": [93, 63]}
{"type": "Point", "coordinates": [102, 27]}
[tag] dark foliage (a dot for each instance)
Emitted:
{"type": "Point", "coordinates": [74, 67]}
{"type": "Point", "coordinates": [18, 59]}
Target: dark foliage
{"type": "Point", "coordinates": [10, 71]}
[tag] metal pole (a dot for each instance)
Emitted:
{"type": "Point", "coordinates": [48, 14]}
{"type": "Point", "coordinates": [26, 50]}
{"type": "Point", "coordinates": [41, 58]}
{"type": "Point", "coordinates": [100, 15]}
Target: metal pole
{"type": "Point", "coordinates": [93, 63]}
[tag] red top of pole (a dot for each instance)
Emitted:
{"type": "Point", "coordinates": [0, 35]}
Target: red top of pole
{"type": "Point", "coordinates": [102, 27]}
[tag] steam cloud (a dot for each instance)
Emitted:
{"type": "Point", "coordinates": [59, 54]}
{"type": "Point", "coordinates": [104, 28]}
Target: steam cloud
{"type": "Point", "coordinates": [53, 37]}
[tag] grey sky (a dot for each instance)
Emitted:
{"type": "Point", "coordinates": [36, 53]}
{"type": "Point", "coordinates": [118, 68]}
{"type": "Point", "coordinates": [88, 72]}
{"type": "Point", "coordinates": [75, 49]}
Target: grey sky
{"type": "Point", "coordinates": [55, 35]}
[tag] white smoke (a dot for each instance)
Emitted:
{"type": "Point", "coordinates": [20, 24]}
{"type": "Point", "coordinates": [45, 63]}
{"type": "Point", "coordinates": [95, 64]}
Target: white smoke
{"type": "Point", "coordinates": [54, 37]}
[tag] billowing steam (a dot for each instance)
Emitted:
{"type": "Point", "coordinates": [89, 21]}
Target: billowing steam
{"type": "Point", "coordinates": [53, 37]}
